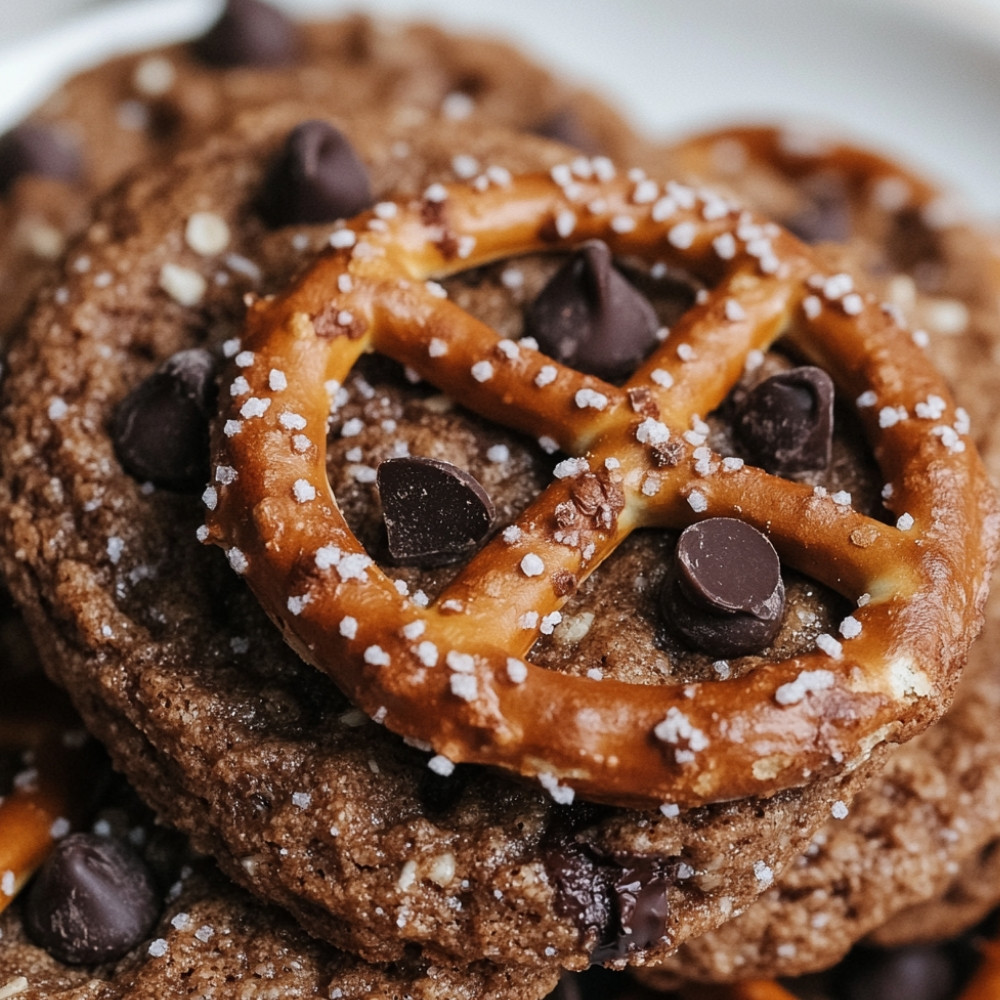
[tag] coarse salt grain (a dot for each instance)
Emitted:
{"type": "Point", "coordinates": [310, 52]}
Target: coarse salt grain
{"type": "Point", "coordinates": [376, 656]}
{"type": "Point", "coordinates": [517, 670]}
{"type": "Point", "coordinates": [532, 565]}
{"type": "Point", "coordinates": [850, 627]}
{"type": "Point", "coordinates": [440, 764]}
{"type": "Point", "coordinates": [829, 645]}
{"type": "Point", "coordinates": [237, 560]}
{"type": "Point", "coordinates": [697, 501]}
{"type": "Point", "coordinates": [464, 686]}
{"type": "Point", "coordinates": [303, 490]}
{"type": "Point", "coordinates": [348, 627]}
{"type": "Point", "coordinates": [184, 286]}
{"type": "Point", "coordinates": [808, 681]}
{"type": "Point", "coordinates": [207, 234]}
{"type": "Point", "coordinates": [482, 371]}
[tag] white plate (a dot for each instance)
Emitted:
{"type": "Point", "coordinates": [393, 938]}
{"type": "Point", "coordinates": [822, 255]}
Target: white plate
{"type": "Point", "coordinates": [907, 76]}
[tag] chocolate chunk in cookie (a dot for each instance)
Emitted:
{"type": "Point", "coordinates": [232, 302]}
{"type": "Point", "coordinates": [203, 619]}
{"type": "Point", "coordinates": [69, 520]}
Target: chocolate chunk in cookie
{"type": "Point", "coordinates": [725, 594]}
{"type": "Point", "coordinates": [318, 177]}
{"type": "Point", "coordinates": [785, 423]}
{"type": "Point", "coordinates": [160, 429]}
{"type": "Point", "coordinates": [435, 513]}
{"type": "Point", "coordinates": [591, 317]}
{"type": "Point", "coordinates": [93, 900]}
{"type": "Point", "coordinates": [565, 126]}
{"type": "Point", "coordinates": [38, 150]}
{"type": "Point", "coordinates": [249, 33]}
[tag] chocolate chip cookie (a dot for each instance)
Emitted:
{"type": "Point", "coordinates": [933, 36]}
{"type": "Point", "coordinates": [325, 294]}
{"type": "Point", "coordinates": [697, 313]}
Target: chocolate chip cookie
{"type": "Point", "coordinates": [373, 844]}
{"type": "Point", "coordinates": [141, 107]}
{"type": "Point", "coordinates": [911, 859]}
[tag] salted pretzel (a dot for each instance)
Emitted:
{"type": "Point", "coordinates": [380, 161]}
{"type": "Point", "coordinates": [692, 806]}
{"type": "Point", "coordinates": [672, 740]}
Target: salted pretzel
{"type": "Point", "coordinates": [47, 800]}
{"type": "Point", "coordinates": [455, 676]}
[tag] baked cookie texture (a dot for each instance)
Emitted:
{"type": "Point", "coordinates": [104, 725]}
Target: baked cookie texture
{"type": "Point", "coordinates": [221, 728]}
{"type": "Point", "coordinates": [209, 938]}
{"type": "Point", "coordinates": [204, 729]}
{"type": "Point", "coordinates": [913, 858]}
{"type": "Point", "coordinates": [144, 106]}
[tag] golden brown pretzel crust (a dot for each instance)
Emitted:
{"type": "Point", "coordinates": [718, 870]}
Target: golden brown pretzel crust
{"type": "Point", "coordinates": [453, 675]}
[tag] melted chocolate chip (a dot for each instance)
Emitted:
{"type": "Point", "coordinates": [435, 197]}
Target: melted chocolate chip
{"type": "Point", "coordinates": [249, 33]}
{"type": "Point", "coordinates": [582, 890]}
{"type": "Point", "coordinates": [317, 177]}
{"type": "Point", "coordinates": [785, 423]}
{"type": "Point", "coordinates": [435, 513]}
{"type": "Point", "coordinates": [92, 901]}
{"type": "Point", "coordinates": [724, 593]}
{"type": "Point", "coordinates": [640, 898]}
{"type": "Point", "coordinates": [161, 428]}
{"type": "Point", "coordinates": [619, 905]}
{"type": "Point", "coordinates": [566, 127]}
{"type": "Point", "coordinates": [38, 150]}
{"type": "Point", "coordinates": [591, 317]}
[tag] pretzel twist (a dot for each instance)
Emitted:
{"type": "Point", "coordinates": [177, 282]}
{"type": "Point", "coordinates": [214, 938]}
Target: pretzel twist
{"type": "Point", "coordinates": [55, 791]}
{"type": "Point", "coordinates": [454, 674]}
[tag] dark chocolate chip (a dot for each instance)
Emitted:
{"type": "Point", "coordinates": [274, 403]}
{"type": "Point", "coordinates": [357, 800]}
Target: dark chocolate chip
{"type": "Point", "coordinates": [435, 513]}
{"type": "Point", "coordinates": [724, 593]}
{"type": "Point", "coordinates": [565, 126]}
{"type": "Point", "coordinates": [785, 423]}
{"type": "Point", "coordinates": [161, 428]}
{"type": "Point", "coordinates": [38, 150]}
{"type": "Point", "coordinates": [249, 33]}
{"type": "Point", "coordinates": [619, 905]}
{"type": "Point", "coordinates": [92, 901]}
{"type": "Point", "coordinates": [317, 177]}
{"type": "Point", "coordinates": [917, 972]}
{"type": "Point", "coordinates": [582, 890]}
{"type": "Point", "coordinates": [827, 216]}
{"type": "Point", "coordinates": [591, 317]}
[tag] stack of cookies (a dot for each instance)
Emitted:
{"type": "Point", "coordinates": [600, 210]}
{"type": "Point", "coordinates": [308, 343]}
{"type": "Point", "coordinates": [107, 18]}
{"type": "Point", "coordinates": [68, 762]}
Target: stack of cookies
{"type": "Point", "coordinates": [483, 552]}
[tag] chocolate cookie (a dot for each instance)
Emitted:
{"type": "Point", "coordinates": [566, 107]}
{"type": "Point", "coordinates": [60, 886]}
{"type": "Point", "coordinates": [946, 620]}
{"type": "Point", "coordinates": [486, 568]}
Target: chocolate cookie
{"type": "Point", "coordinates": [124, 907]}
{"type": "Point", "coordinates": [916, 848]}
{"type": "Point", "coordinates": [373, 844]}
{"type": "Point", "coordinates": [143, 106]}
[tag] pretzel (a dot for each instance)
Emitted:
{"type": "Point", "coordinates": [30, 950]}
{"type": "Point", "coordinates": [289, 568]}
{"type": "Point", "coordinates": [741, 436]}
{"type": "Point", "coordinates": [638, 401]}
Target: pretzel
{"type": "Point", "coordinates": [455, 676]}
{"type": "Point", "coordinates": [51, 795]}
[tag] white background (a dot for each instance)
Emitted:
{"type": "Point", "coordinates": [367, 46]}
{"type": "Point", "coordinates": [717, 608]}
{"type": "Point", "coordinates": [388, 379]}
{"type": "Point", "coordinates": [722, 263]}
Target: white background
{"type": "Point", "coordinates": [916, 78]}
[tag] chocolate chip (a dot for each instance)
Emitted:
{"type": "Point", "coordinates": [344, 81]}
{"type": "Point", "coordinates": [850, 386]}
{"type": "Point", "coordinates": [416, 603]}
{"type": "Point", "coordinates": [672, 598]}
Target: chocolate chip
{"type": "Point", "coordinates": [249, 33]}
{"type": "Point", "coordinates": [435, 513]}
{"type": "Point", "coordinates": [917, 972]}
{"type": "Point", "coordinates": [582, 890]}
{"type": "Point", "coordinates": [161, 428]}
{"type": "Point", "coordinates": [640, 897]}
{"type": "Point", "coordinates": [591, 317]}
{"type": "Point", "coordinates": [92, 901]}
{"type": "Point", "coordinates": [785, 423]}
{"type": "Point", "coordinates": [827, 216]}
{"type": "Point", "coordinates": [619, 904]}
{"type": "Point", "coordinates": [317, 177]}
{"type": "Point", "coordinates": [724, 592]}
{"type": "Point", "coordinates": [38, 150]}
{"type": "Point", "coordinates": [565, 126]}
